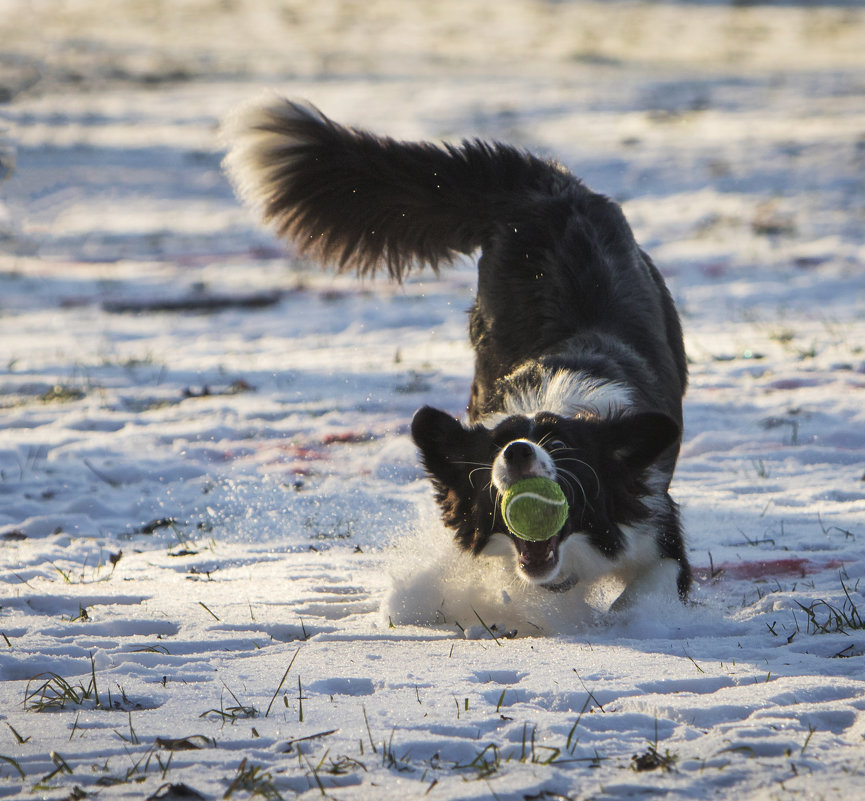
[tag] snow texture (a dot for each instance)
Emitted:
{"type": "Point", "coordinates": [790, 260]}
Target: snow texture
{"type": "Point", "coordinates": [221, 571]}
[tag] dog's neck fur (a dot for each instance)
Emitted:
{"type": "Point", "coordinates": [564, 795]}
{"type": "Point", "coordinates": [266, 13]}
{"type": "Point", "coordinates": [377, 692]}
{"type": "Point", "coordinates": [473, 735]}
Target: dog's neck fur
{"type": "Point", "coordinates": [566, 393]}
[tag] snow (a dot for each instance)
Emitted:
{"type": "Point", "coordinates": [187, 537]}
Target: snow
{"type": "Point", "coordinates": [215, 536]}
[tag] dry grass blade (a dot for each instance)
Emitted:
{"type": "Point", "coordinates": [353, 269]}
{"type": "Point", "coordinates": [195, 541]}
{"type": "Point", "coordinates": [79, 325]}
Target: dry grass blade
{"type": "Point", "coordinates": [826, 618]}
{"type": "Point", "coordinates": [14, 764]}
{"type": "Point", "coordinates": [487, 628]}
{"type": "Point", "coordinates": [54, 693]}
{"type": "Point", "coordinates": [254, 780]}
{"type": "Point", "coordinates": [291, 743]}
{"type": "Point", "coordinates": [282, 681]}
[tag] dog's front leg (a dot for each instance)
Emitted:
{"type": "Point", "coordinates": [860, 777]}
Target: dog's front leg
{"type": "Point", "coordinates": [659, 581]}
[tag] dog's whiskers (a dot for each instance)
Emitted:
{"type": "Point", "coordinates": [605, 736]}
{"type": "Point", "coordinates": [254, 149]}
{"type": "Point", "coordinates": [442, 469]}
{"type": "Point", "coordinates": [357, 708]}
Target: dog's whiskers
{"type": "Point", "coordinates": [585, 464]}
{"type": "Point", "coordinates": [478, 466]}
{"type": "Point", "coordinates": [476, 470]}
{"type": "Point", "coordinates": [545, 438]}
{"type": "Point", "coordinates": [576, 483]}
{"type": "Point", "coordinates": [496, 502]}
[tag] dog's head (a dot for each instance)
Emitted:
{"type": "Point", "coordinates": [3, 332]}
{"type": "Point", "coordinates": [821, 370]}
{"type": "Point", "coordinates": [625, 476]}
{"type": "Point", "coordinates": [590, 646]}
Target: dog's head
{"type": "Point", "coordinates": [602, 466]}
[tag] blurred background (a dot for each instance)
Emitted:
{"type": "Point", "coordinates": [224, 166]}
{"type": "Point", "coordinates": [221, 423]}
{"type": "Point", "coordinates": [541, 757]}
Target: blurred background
{"type": "Point", "coordinates": [119, 103]}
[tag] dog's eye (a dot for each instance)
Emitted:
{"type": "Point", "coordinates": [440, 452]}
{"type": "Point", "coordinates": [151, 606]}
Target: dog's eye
{"type": "Point", "coordinates": [556, 445]}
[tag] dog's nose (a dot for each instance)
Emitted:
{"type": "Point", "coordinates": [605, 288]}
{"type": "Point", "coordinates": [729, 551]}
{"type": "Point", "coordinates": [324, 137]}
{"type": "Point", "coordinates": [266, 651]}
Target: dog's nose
{"type": "Point", "coordinates": [518, 455]}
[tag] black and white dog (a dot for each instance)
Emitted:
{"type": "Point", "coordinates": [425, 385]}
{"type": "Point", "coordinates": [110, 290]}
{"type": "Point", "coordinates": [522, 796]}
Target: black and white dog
{"type": "Point", "coordinates": [579, 362]}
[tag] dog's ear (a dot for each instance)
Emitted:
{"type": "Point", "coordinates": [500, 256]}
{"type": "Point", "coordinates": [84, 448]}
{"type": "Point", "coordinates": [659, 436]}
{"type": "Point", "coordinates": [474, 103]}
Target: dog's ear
{"type": "Point", "coordinates": [452, 454]}
{"type": "Point", "coordinates": [443, 442]}
{"type": "Point", "coordinates": [638, 440]}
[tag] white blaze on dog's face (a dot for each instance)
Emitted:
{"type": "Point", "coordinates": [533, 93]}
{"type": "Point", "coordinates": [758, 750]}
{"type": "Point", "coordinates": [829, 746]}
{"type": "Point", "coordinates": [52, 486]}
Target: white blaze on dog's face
{"type": "Point", "coordinates": [521, 459]}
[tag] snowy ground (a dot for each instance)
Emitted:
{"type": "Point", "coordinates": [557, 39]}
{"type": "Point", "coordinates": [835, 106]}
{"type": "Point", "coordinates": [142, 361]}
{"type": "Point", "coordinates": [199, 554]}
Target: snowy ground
{"type": "Point", "coordinates": [214, 533]}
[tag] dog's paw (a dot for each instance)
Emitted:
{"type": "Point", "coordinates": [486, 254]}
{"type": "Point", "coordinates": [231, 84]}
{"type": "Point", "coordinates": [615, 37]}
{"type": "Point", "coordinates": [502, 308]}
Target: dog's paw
{"type": "Point", "coordinates": [484, 631]}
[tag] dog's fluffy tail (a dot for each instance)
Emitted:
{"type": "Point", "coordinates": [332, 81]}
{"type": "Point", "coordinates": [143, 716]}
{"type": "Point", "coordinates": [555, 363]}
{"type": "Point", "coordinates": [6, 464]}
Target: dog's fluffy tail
{"type": "Point", "coordinates": [346, 196]}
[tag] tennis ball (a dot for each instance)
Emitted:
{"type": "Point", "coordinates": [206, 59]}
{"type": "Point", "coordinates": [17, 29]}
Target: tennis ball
{"type": "Point", "coordinates": [534, 508]}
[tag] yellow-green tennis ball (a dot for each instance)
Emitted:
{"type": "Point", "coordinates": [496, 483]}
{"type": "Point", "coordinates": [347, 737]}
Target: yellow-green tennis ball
{"type": "Point", "coordinates": [534, 508]}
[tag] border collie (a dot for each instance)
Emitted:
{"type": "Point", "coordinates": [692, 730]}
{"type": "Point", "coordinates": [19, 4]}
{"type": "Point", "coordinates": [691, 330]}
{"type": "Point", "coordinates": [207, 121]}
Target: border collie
{"type": "Point", "coordinates": [580, 366]}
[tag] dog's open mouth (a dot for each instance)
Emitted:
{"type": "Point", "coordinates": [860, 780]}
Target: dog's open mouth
{"type": "Point", "coordinates": [539, 561]}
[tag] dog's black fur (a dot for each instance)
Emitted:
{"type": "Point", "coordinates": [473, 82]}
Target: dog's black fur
{"type": "Point", "coordinates": [580, 366]}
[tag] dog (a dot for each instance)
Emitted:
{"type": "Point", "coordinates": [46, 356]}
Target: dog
{"type": "Point", "coordinates": [580, 365]}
